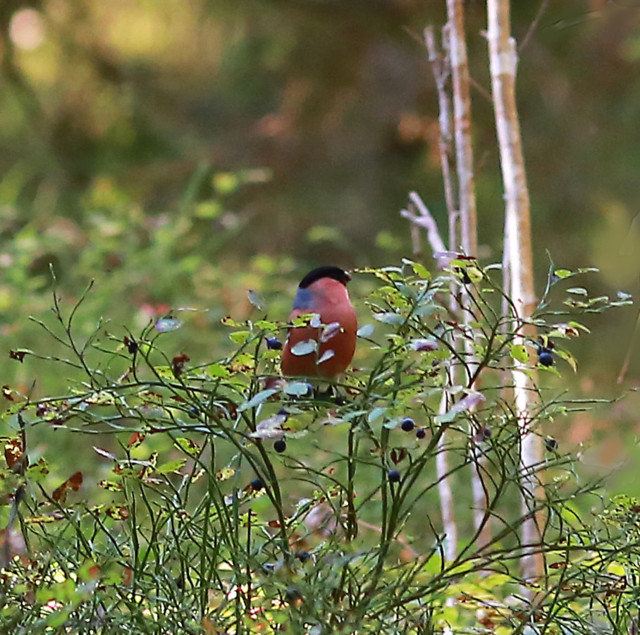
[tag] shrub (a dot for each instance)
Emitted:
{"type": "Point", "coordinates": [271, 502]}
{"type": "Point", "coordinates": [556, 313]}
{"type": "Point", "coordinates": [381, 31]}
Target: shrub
{"type": "Point", "coordinates": [190, 520]}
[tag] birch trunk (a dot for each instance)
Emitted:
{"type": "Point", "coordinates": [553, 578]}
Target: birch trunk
{"type": "Point", "coordinates": [503, 63]}
{"type": "Point", "coordinates": [467, 207]}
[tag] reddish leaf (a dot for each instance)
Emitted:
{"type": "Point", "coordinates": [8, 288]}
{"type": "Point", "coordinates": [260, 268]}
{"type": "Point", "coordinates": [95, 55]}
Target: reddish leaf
{"type": "Point", "coordinates": [13, 452]}
{"type": "Point", "coordinates": [42, 410]}
{"type": "Point", "coordinates": [178, 364]}
{"type": "Point", "coordinates": [117, 512]}
{"type": "Point", "coordinates": [136, 439]}
{"type": "Point", "coordinates": [131, 344]}
{"type": "Point", "coordinates": [18, 354]}
{"type": "Point", "coordinates": [72, 483]}
{"type": "Point", "coordinates": [398, 455]}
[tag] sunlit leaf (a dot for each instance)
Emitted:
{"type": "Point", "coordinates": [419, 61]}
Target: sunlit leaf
{"type": "Point", "coordinates": [326, 356]}
{"type": "Point", "coordinates": [164, 325]}
{"type": "Point", "coordinates": [519, 352]}
{"type": "Point", "coordinates": [330, 331]}
{"type": "Point", "coordinates": [106, 454]}
{"type": "Point", "coordinates": [38, 471]}
{"type": "Point", "coordinates": [117, 512]}
{"type": "Point", "coordinates": [43, 519]}
{"type": "Point", "coordinates": [389, 317]}
{"type": "Point", "coordinates": [217, 370]}
{"type": "Point", "coordinates": [171, 466]}
{"type": "Point", "coordinates": [423, 345]}
{"type": "Point", "coordinates": [298, 388]}
{"type": "Point", "coordinates": [569, 358]}
{"type": "Point", "coordinates": [270, 428]}
{"type": "Point", "coordinates": [366, 330]}
{"type": "Point", "coordinates": [257, 399]}
{"type": "Point", "coordinates": [240, 337]}
{"type": "Point", "coordinates": [187, 445]}
{"type": "Point", "coordinates": [110, 486]}
{"type": "Point", "coordinates": [304, 348]}
{"type": "Point", "coordinates": [256, 300]}
{"type": "Point", "coordinates": [225, 473]}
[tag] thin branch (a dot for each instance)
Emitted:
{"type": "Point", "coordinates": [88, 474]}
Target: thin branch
{"type": "Point", "coordinates": [534, 25]}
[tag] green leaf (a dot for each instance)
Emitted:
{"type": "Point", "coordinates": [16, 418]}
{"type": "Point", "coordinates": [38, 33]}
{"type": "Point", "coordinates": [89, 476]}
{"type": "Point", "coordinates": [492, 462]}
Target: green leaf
{"type": "Point", "coordinates": [519, 352]}
{"type": "Point", "coordinates": [421, 271]}
{"type": "Point", "coordinates": [217, 370]}
{"type": "Point", "coordinates": [578, 291]}
{"type": "Point", "coordinates": [366, 330]}
{"type": "Point", "coordinates": [188, 446]}
{"type": "Point", "coordinates": [562, 273]}
{"type": "Point", "coordinates": [376, 413]}
{"type": "Point", "coordinates": [171, 466]}
{"type": "Point", "coordinates": [569, 358]}
{"type": "Point", "coordinates": [389, 318]}
{"type": "Point", "coordinates": [297, 388]}
{"type": "Point", "coordinates": [240, 337]}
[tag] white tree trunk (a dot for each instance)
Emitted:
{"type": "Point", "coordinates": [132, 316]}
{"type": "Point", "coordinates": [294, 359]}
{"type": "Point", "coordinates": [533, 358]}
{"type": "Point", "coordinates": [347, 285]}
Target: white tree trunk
{"type": "Point", "coordinates": [503, 63]}
{"type": "Point", "coordinates": [467, 206]}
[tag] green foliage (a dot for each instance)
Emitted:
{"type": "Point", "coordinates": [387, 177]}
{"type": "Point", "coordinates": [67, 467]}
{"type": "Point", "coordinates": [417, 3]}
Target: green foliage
{"type": "Point", "coordinates": [189, 520]}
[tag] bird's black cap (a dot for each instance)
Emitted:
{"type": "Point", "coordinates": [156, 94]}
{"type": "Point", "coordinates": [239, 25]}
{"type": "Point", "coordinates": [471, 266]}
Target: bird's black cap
{"type": "Point", "coordinates": [325, 272]}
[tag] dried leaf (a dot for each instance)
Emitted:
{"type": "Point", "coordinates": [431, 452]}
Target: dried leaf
{"type": "Point", "coordinates": [13, 452]}
{"type": "Point", "coordinates": [72, 483]}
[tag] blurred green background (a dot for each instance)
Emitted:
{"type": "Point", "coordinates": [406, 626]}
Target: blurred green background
{"type": "Point", "coordinates": [180, 153]}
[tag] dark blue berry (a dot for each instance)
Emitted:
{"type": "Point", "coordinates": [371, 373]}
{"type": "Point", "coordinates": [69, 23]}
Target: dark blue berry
{"type": "Point", "coordinates": [551, 444]}
{"type": "Point", "coordinates": [408, 424]}
{"type": "Point", "coordinates": [257, 484]}
{"type": "Point", "coordinates": [193, 412]}
{"type": "Point", "coordinates": [280, 445]}
{"type": "Point", "coordinates": [421, 433]}
{"type": "Point", "coordinates": [283, 411]}
{"type": "Point", "coordinates": [274, 344]}
{"type": "Point", "coordinates": [545, 357]}
{"type": "Point", "coordinates": [394, 476]}
{"type": "Point", "coordinates": [303, 556]}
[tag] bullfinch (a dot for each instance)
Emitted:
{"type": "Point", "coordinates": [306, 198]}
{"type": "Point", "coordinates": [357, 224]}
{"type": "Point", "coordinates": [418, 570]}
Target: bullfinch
{"type": "Point", "coordinates": [330, 337]}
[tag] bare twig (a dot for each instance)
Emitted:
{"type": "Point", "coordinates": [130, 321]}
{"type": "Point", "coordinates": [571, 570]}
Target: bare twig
{"type": "Point", "coordinates": [534, 25]}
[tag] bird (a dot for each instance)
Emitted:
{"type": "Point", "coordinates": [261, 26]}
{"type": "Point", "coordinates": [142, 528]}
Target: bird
{"type": "Point", "coordinates": [323, 293]}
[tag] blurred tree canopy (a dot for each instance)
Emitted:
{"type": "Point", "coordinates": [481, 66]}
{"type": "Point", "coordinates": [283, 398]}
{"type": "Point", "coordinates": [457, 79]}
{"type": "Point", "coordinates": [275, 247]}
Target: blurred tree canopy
{"type": "Point", "coordinates": [120, 118]}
